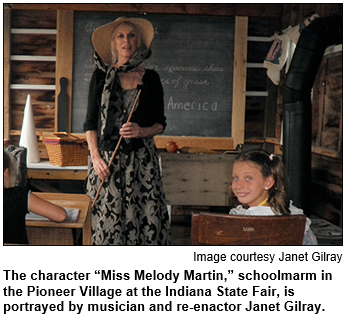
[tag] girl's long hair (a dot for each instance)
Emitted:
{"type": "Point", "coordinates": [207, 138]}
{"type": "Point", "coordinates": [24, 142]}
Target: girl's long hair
{"type": "Point", "coordinates": [269, 165]}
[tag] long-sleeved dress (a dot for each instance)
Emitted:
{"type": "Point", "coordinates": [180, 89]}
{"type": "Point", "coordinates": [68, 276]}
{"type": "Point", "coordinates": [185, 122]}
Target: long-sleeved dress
{"type": "Point", "coordinates": [131, 208]}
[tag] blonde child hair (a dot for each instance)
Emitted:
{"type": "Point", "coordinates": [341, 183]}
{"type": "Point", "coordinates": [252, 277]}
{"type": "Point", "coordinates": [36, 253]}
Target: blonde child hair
{"type": "Point", "coordinates": [269, 165]}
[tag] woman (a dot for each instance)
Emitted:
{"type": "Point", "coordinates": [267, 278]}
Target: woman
{"type": "Point", "coordinates": [131, 207]}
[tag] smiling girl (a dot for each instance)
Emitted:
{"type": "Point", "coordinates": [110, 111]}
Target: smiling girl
{"type": "Point", "coordinates": [259, 188]}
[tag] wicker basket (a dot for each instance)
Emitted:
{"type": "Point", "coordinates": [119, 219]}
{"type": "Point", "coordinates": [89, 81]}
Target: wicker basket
{"type": "Point", "coordinates": [65, 149]}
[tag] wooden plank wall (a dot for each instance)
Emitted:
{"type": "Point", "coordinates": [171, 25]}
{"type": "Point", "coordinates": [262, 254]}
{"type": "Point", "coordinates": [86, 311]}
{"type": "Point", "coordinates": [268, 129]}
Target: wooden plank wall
{"type": "Point", "coordinates": [293, 14]}
{"type": "Point", "coordinates": [326, 182]}
{"type": "Point", "coordinates": [260, 112]}
{"type": "Point", "coordinates": [326, 188]}
{"type": "Point", "coordinates": [327, 104]}
{"type": "Point", "coordinates": [33, 63]}
{"type": "Point", "coordinates": [7, 70]}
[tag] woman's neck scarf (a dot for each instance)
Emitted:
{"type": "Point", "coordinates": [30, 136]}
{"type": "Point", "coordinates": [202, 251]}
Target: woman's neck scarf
{"type": "Point", "coordinates": [111, 78]}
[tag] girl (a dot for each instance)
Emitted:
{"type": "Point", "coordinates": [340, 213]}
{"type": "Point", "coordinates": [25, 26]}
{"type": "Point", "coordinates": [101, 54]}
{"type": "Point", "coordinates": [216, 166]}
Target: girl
{"type": "Point", "coordinates": [17, 202]}
{"type": "Point", "coordinates": [259, 188]}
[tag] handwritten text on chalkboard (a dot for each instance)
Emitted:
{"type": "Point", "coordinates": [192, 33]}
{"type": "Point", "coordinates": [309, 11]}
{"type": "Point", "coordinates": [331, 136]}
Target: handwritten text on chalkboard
{"type": "Point", "coordinates": [194, 58]}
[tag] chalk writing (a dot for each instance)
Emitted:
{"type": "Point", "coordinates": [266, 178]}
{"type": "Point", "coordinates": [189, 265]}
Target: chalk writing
{"type": "Point", "coordinates": [191, 106]}
{"type": "Point", "coordinates": [172, 68]}
{"type": "Point", "coordinates": [90, 27]}
{"type": "Point", "coordinates": [202, 82]}
{"type": "Point", "coordinates": [171, 81]}
{"type": "Point", "coordinates": [213, 68]}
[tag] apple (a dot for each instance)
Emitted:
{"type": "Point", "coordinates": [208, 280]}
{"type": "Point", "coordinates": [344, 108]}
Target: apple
{"type": "Point", "coordinates": [172, 147]}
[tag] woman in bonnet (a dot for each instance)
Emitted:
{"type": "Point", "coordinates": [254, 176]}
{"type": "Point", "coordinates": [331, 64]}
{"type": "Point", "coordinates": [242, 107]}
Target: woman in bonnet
{"type": "Point", "coordinates": [131, 207]}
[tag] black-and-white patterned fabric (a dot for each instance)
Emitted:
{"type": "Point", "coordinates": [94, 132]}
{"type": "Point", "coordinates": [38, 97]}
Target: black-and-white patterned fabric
{"type": "Point", "coordinates": [131, 209]}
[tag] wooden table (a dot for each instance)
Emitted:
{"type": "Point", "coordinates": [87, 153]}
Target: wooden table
{"type": "Point", "coordinates": [53, 233]}
{"type": "Point", "coordinates": [45, 170]}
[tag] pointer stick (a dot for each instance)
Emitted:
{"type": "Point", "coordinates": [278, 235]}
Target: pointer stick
{"type": "Point", "coordinates": [117, 147]}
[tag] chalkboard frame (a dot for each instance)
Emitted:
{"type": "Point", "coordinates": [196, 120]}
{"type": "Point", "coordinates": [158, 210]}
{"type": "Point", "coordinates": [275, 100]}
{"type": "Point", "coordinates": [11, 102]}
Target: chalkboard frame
{"type": "Point", "coordinates": [238, 99]}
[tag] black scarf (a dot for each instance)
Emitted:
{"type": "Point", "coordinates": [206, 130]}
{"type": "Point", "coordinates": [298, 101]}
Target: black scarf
{"type": "Point", "coordinates": [112, 79]}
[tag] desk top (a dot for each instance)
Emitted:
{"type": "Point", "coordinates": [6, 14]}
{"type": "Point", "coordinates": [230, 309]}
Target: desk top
{"type": "Point", "coordinates": [80, 201]}
{"type": "Point", "coordinates": [45, 165]}
{"type": "Point", "coordinates": [45, 170]}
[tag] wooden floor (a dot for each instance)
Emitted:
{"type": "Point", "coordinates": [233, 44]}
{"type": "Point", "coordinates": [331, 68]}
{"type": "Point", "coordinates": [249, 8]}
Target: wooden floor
{"type": "Point", "coordinates": [180, 234]}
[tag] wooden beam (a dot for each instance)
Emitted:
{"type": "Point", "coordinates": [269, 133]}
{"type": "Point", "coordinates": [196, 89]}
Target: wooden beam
{"type": "Point", "coordinates": [57, 175]}
{"type": "Point", "coordinates": [34, 58]}
{"type": "Point", "coordinates": [33, 31]}
{"type": "Point", "coordinates": [212, 143]}
{"type": "Point", "coordinates": [7, 63]}
{"type": "Point", "coordinates": [216, 9]}
{"type": "Point", "coordinates": [64, 59]}
{"type": "Point", "coordinates": [32, 87]}
{"type": "Point", "coordinates": [326, 152]}
{"type": "Point", "coordinates": [239, 80]}
{"type": "Point", "coordinates": [270, 115]}
{"type": "Point", "coordinates": [340, 143]}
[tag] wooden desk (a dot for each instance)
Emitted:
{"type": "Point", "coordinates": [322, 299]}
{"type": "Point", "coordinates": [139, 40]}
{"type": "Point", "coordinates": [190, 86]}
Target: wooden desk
{"type": "Point", "coordinates": [53, 233]}
{"type": "Point", "coordinates": [45, 170]}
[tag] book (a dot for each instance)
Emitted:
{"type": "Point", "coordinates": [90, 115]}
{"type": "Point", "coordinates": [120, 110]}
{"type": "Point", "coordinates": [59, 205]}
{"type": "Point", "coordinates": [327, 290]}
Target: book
{"type": "Point", "coordinates": [71, 215]}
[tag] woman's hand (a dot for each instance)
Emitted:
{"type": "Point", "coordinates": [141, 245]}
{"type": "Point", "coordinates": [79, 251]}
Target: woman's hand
{"type": "Point", "coordinates": [131, 130]}
{"type": "Point", "coordinates": [101, 168]}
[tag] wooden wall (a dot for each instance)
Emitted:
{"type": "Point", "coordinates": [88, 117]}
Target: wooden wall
{"type": "Point", "coordinates": [261, 93]}
{"type": "Point", "coordinates": [327, 139]}
{"type": "Point", "coordinates": [327, 105]}
{"type": "Point", "coordinates": [326, 188]}
{"type": "Point", "coordinates": [326, 164]}
{"type": "Point", "coordinates": [32, 71]}
{"type": "Point", "coordinates": [293, 14]}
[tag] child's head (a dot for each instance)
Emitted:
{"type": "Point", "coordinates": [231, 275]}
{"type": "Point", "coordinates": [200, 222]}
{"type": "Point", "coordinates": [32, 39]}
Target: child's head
{"type": "Point", "coordinates": [259, 176]}
{"type": "Point", "coordinates": [8, 167]}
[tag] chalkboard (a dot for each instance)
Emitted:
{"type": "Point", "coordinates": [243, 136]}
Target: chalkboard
{"type": "Point", "coordinates": [194, 58]}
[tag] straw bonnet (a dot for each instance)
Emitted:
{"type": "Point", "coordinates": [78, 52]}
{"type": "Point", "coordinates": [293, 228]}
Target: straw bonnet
{"type": "Point", "coordinates": [101, 37]}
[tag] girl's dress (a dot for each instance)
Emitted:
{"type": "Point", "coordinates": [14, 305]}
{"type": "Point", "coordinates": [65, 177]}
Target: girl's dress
{"type": "Point", "coordinates": [309, 237]}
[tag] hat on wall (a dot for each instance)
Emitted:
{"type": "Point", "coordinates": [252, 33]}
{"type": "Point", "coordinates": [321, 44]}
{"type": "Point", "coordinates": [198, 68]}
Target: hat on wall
{"type": "Point", "coordinates": [101, 37]}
